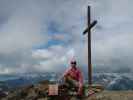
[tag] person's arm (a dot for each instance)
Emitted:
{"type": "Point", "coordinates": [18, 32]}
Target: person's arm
{"type": "Point", "coordinates": [65, 73]}
{"type": "Point", "coordinates": [80, 83]}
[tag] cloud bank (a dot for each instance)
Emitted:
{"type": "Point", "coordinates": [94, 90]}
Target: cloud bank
{"type": "Point", "coordinates": [29, 31]}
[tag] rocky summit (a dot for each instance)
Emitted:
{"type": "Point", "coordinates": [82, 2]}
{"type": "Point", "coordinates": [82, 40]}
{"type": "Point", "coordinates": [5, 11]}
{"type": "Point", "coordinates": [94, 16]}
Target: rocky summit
{"type": "Point", "coordinates": [40, 92]}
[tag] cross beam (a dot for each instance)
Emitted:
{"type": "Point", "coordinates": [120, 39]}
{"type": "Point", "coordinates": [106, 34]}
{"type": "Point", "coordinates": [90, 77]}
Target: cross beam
{"type": "Point", "coordinates": [88, 30]}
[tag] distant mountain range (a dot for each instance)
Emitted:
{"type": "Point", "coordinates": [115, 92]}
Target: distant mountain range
{"type": "Point", "coordinates": [114, 81]}
{"type": "Point", "coordinates": [111, 81]}
{"type": "Point", "coordinates": [13, 81]}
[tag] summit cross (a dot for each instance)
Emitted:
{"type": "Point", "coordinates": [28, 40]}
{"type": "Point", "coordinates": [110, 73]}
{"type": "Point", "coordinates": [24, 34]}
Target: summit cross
{"type": "Point", "coordinates": [88, 31]}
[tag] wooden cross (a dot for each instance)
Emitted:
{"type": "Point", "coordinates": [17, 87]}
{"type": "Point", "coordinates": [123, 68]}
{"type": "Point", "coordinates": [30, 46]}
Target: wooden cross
{"type": "Point", "coordinates": [88, 30]}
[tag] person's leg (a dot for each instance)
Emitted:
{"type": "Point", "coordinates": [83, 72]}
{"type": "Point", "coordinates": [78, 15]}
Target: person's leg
{"type": "Point", "coordinates": [70, 82]}
{"type": "Point", "coordinates": [72, 86]}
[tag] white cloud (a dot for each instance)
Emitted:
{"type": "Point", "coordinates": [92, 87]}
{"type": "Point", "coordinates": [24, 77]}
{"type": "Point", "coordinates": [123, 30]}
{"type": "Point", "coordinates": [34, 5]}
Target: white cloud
{"type": "Point", "coordinates": [42, 54]}
{"type": "Point", "coordinates": [22, 30]}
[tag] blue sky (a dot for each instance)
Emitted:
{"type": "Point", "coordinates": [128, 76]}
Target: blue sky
{"type": "Point", "coordinates": [44, 35]}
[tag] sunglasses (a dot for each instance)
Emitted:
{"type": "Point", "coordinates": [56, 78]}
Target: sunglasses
{"type": "Point", "coordinates": [73, 63]}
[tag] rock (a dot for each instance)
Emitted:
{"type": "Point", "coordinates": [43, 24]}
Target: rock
{"type": "Point", "coordinates": [2, 94]}
{"type": "Point", "coordinates": [39, 92]}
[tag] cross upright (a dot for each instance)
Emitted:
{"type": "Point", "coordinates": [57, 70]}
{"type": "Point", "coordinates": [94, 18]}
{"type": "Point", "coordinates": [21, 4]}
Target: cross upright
{"type": "Point", "coordinates": [88, 30]}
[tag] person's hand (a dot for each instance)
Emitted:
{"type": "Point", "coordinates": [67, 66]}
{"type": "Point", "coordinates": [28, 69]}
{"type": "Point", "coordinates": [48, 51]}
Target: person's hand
{"type": "Point", "coordinates": [79, 93]}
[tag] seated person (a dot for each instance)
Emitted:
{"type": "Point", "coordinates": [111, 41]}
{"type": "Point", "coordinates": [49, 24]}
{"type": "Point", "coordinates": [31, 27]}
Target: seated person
{"type": "Point", "coordinates": [73, 78]}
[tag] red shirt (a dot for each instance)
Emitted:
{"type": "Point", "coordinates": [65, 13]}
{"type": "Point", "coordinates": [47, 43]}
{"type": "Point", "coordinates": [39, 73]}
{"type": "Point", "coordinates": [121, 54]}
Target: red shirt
{"type": "Point", "coordinates": [76, 74]}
